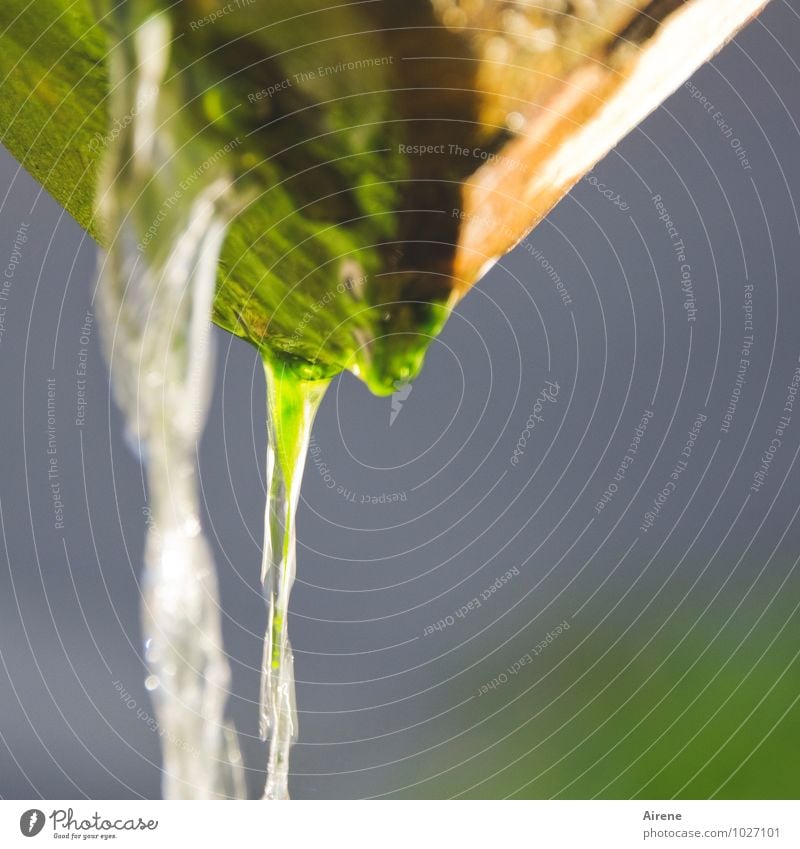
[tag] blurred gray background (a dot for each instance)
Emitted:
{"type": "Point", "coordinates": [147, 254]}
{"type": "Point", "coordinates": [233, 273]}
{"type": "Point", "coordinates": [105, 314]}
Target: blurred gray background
{"type": "Point", "coordinates": [678, 673]}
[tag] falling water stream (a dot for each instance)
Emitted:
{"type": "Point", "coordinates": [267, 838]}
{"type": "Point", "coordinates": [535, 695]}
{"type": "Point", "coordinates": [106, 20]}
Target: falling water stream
{"type": "Point", "coordinates": [155, 299]}
{"type": "Point", "coordinates": [156, 289]}
{"type": "Point", "coordinates": [157, 329]}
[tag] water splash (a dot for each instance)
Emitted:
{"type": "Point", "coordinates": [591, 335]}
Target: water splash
{"type": "Point", "coordinates": [292, 404]}
{"type": "Point", "coordinates": [155, 297]}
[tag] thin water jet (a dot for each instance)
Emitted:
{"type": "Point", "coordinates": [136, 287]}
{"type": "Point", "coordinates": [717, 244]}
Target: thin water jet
{"type": "Point", "coordinates": [292, 404]}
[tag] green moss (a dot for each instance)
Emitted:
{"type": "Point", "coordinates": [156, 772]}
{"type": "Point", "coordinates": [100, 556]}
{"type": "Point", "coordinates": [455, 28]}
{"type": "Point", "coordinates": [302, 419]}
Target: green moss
{"type": "Point", "coordinates": [319, 160]}
{"type": "Point", "coordinates": [53, 86]}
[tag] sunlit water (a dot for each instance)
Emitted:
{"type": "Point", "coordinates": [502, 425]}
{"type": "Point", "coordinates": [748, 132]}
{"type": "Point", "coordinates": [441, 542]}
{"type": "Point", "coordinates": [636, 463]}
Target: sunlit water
{"type": "Point", "coordinates": [156, 289]}
{"type": "Point", "coordinates": [291, 406]}
{"type": "Point", "coordinates": [155, 300]}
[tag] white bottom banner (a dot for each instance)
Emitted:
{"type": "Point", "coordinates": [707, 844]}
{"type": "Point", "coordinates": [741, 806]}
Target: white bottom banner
{"type": "Point", "coordinates": [462, 824]}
